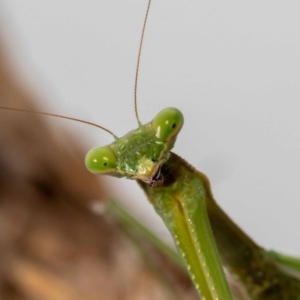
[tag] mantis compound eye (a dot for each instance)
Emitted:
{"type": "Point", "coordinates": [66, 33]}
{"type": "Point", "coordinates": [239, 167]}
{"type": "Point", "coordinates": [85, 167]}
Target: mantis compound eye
{"type": "Point", "coordinates": [167, 123]}
{"type": "Point", "coordinates": [101, 160]}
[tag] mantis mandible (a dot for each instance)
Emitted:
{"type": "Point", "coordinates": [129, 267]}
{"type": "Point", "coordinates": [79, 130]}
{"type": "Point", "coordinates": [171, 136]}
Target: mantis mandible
{"type": "Point", "coordinates": [164, 169]}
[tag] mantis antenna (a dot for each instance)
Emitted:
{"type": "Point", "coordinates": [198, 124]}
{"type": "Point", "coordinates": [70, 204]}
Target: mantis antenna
{"type": "Point", "coordinates": [138, 64]}
{"type": "Point", "coordinates": [59, 116]}
{"type": "Point", "coordinates": [90, 123]}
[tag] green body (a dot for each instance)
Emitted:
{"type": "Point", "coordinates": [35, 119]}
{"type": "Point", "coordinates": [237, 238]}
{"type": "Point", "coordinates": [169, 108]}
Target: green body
{"type": "Point", "coordinates": [260, 274]}
{"type": "Point", "coordinates": [141, 155]}
{"type": "Point", "coordinates": [182, 197]}
{"type": "Point", "coordinates": [181, 202]}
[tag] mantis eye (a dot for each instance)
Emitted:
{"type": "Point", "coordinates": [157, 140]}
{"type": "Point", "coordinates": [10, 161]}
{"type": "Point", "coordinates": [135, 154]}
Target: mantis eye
{"type": "Point", "coordinates": [101, 160]}
{"type": "Point", "coordinates": [168, 123]}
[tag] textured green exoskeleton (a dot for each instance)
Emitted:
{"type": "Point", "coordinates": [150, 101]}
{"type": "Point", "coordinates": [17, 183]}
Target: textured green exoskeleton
{"type": "Point", "coordinates": [144, 155]}
{"type": "Point", "coordinates": [262, 276]}
{"type": "Point", "coordinates": [141, 153]}
{"type": "Point", "coordinates": [182, 197]}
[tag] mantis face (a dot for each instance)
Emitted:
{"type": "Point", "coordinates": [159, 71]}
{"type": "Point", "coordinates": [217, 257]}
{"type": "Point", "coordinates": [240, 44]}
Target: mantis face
{"type": "Point", "coordinates": [140, 153]}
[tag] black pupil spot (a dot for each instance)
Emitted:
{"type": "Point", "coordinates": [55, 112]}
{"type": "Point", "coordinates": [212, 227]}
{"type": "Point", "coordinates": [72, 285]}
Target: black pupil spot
{"type": "Point", "coordinates": [174, 125]}
{"type": "Point", "coordinates": [105, 164]}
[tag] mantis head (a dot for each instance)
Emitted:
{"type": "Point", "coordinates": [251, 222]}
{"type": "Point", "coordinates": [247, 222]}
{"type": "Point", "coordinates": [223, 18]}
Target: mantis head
{"type": "Point", "coordinates": [140, 153]}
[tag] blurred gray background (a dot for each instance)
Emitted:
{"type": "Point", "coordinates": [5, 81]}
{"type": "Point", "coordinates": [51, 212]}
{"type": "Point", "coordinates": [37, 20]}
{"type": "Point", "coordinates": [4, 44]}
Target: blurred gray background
{"type": "Point", "coordinates": [232, 67]}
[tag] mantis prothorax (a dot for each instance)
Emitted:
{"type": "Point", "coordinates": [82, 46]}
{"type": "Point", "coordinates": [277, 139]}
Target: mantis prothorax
{"type": "Point", "coordinates": [182, 197]}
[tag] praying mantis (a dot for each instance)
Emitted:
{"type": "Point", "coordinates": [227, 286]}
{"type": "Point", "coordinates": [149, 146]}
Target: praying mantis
{"type": "Point", "coordinates": [145, 186]}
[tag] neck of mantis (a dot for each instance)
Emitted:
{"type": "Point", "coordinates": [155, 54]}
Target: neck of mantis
{"type": "Point", "coordinates": [250, 264]}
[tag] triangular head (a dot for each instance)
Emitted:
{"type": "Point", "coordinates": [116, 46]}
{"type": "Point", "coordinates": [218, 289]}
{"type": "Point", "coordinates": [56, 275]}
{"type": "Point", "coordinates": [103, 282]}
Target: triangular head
{"type": "Point", "coordinates": [141, 152]}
